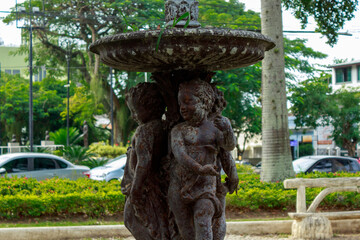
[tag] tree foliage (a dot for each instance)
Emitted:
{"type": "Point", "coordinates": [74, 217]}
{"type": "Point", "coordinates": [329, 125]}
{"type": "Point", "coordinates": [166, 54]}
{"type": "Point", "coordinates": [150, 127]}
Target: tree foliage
{"type": "Point", "coordinates": [329, 15]}
{"type": "Point", "coordinates": [60, 136]}
{"type": "Point", "coordinates": [228, 14]}
{"type": "Point", "coordinates": [83, 22]}
{"type": "Point", "coordinates": [242, 88]}
{"type": "Point", "coordinates": [14, 107]}
{"type": "Point", "coordinates": [314, 104]}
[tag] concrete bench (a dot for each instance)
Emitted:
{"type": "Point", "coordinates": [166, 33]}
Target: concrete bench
{"type": "Point", "coordinates": [310, 224]}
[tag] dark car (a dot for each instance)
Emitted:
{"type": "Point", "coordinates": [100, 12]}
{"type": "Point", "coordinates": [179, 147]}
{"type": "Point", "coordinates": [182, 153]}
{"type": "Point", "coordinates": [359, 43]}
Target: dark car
{"type": "Point", "coordinates": [310, 164]}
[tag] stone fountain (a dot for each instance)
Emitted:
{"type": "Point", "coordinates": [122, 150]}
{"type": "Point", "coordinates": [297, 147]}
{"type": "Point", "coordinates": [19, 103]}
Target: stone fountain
{"type": "Point", "coordinates": [172, 178]}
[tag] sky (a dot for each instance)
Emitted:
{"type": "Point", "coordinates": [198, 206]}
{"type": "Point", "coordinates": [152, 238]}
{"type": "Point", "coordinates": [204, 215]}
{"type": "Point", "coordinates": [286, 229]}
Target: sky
{"type": "Point", "coordinates": [348, 47]}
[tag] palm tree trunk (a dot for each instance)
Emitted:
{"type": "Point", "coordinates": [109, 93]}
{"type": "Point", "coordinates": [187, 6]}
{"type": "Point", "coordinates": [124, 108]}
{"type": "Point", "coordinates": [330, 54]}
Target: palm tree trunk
{"type": "Point", "coordinates": [276, 154]}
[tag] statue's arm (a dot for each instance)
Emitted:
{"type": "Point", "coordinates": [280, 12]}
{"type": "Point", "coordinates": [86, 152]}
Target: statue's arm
{"type": "Point", "coordinates": [227, 139]}
{"type": "Point", "coordinates": [229, 167]}
{"type": "Point", "coordinates": [179, 151]}
{"type": "Point", "coordinates": [143, 150]}
{"type": "Point", "coordinates": [181, 156]}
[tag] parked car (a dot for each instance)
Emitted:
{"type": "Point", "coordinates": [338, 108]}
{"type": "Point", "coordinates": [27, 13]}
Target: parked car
{"type": "Point", "coordinates": [39, 166]}
{"type": "Point", "coordinates": [245, 162]}
{"type": "Point", "coordinates": [113, 170]}
{"type": "Point", "coordinates": [310, 164]}
{"type": "Point", "coordinates": [257, 168]}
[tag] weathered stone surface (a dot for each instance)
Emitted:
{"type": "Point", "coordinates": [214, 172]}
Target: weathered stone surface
{"type": "Point", "coordinates": [312, 228]}
{"type": "Point", "coordinates": [174, 9]}
{"type": "Point", "coordinates": [206, 49]}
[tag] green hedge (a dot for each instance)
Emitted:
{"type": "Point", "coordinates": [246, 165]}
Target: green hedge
{"type": "Point", "coordinates": [254, 194]}
{"type": "Point", "coordinates": [103, 150]}
{"type": "Point", "coordinates": [22, 197]}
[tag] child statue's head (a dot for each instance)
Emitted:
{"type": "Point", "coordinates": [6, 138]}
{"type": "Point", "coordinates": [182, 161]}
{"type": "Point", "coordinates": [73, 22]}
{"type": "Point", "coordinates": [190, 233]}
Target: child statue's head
{"type": "Point", "coordinates": [145, 102]}
{"type": "Point", "coordinates": [196, 99]}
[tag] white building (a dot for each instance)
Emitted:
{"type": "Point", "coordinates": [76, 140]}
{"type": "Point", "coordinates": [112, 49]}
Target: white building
{"type": "Point", "coordinates": [345, 74]}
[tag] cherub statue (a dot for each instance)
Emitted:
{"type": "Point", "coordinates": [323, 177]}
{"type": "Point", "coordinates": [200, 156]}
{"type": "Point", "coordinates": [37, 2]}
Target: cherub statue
{"type": "Point", "coordinates": [224, 160]}
{"type": "Point", "coordinates": [146, 210]}
{"type": "Point", "coordinates": [195, 145]}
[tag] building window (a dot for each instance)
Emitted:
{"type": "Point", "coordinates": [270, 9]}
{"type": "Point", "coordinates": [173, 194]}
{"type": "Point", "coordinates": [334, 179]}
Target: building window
{"type": "Point", "coordinates": [358, 72]}
{"type": "Point", "coordinates": [343, 75]}
{"type": "Point", "coordinates": [16, 71]}
{"type": "Point", "coordinates": [8, 71]}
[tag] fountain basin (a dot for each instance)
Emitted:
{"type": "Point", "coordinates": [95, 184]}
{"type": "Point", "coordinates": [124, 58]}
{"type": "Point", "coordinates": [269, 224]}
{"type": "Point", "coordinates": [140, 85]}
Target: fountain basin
{"type": "Point", "coordinates": [191, 49]}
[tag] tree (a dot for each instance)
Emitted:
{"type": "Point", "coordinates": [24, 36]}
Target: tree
{"type": "Point", "coordinates": [82, 22]}
{"type": "Point", "coordinates": [314, 104]}
{"type": "Point", "coordinates": [242, 86]}
{"type": "Point", "coordinates": [330, 17]}
{"type": "Point", "coordinates": [241, 89]}
{"type": "Point", "coordinates": [276, 154]}
{"type": "Point", "coordinates": [83, 108]}
{"type": "Point", "coordinates": [14, 107]}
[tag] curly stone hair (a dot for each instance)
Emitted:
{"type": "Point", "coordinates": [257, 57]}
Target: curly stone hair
{"type": "Point", "coordinates": [148, 95]}
{"type": "Point", "coordinates": [220, 102]}
{"type": "Point", "coordinates": [202, 90]}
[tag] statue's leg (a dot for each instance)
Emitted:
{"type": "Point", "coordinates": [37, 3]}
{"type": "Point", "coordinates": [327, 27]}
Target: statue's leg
{"type": "Point", "coordinates": [203, 213]}
{"type": "Point", "coordinates": [139, 231]}
{"type": "Point", "coordinates": [219, 224]}
{"type": "Point", "coordinates": [182, 213]}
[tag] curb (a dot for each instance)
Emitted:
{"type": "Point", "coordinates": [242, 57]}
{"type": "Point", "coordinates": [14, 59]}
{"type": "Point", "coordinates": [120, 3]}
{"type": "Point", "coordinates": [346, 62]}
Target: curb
{"type": "Point", "coordinates": [108, 231]}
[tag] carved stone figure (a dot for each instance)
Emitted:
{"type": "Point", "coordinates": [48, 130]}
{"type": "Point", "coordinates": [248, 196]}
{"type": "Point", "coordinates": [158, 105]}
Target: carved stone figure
{"type": "Point", "coordinates": [170, 10]}
{"type": "Point", "coordinates": [47, 136]}
{"type": "Point", "coordinates": [194, 11]}
{"type": "Point", "coordinates": [193, 195]}
{"type": "Point", "coordinates": [174, 9]}
{"type": "Point", "coordinates": [146, 213]}
{"type": "Point", "coordinates": [224, 161]}
{"type": "Point", "coordinates": [86, 134]}
{"type": "Point", "coordinates": [184, 8]}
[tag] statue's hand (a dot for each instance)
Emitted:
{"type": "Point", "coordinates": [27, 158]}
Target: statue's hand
{"type": "Point", "coordinates": [208, 169]}
{"type": "Point", "coordinates": [231, 184]}
{"type": "Point", "coordinates": [219, 123]}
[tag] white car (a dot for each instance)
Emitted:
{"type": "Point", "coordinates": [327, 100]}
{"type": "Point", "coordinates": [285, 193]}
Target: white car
{"type": "Point", "coordinates": [113, 170]}
{"type": "Point", "coordinates": [39, 166]}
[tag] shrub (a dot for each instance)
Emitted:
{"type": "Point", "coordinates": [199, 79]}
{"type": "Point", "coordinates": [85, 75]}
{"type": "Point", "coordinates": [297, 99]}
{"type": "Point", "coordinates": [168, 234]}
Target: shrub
{"type": "Point", "coordinates": [104, 150]}
{"type": "Point", "coordinates": [60, 136]}
{"type": "Point", "coordinates": [23, 197]}
{"type": "Point", "coordinates": [93, 163]}
{"type": "Point", "coordinates": [77, 154]}
{"type": "Point", "coordinates": [306, 149]}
